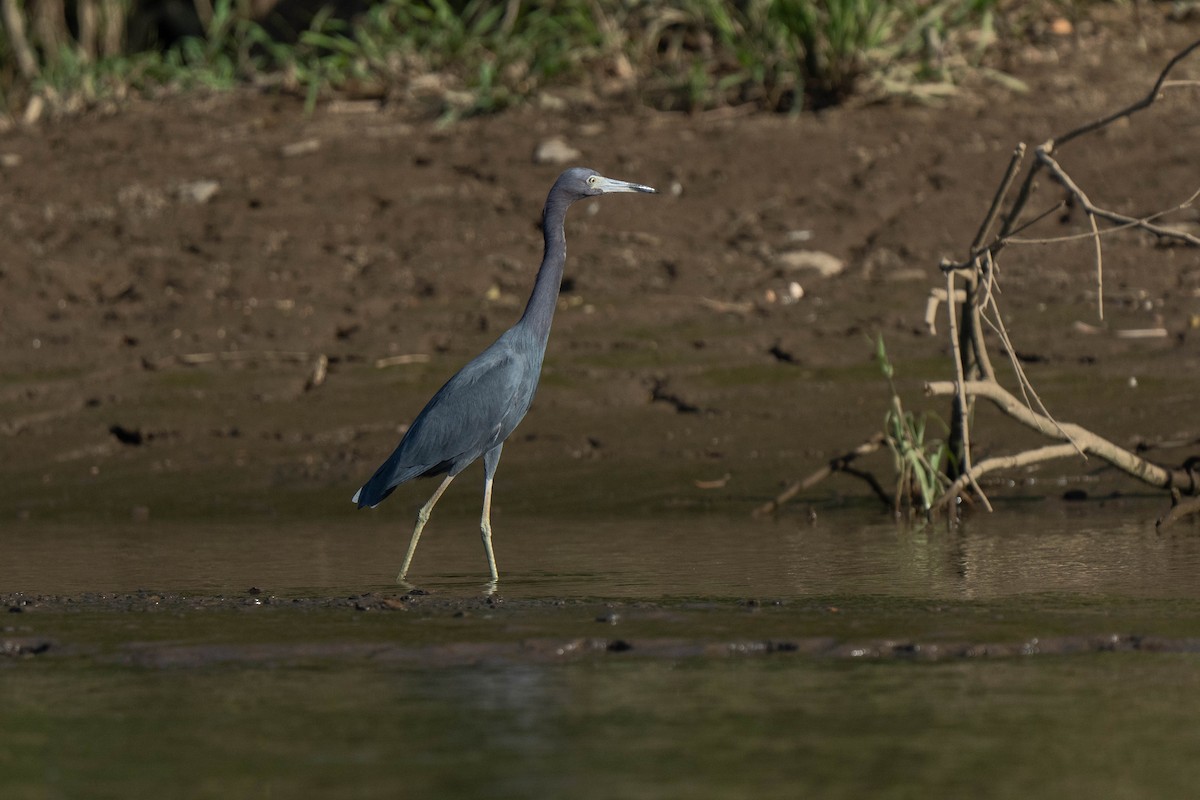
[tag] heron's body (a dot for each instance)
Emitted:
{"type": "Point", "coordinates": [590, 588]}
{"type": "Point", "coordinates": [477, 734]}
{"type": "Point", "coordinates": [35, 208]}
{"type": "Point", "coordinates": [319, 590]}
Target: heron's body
{"type": "Point", "coordinates": [477, 409]}
{"type": "Point", "coordinates": [473, 413]}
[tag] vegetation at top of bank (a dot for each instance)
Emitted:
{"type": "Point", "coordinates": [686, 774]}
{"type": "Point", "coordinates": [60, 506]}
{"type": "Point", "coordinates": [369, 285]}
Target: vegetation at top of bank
{"type": "Point", "coordinates": [457, 57]}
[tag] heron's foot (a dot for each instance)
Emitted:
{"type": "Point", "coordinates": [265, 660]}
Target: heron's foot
{"type": "Point", "coordinates": [489, 588]}
{"type": "Point", "coordinates": [486, 531]}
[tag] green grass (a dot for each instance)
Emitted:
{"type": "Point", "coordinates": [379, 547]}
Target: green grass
{"type": "Point", "coordinates": [919, 463]}
{"type": "Point", "coordinates": [457, 58]}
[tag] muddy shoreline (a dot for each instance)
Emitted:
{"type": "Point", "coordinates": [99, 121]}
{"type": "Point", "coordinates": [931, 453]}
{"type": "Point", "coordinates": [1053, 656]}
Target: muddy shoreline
{"type": "Point", "coordinates": [169, 338]}
{"type": "Point", "coordinates": [493, 630]}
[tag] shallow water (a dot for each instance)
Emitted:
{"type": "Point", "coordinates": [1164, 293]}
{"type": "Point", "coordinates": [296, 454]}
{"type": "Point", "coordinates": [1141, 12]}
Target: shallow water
{"type": "Point", "coordinates": [623, 661]}
{"type": "Point", "coordinates": [1046, 547]}
{"type": "Point", "coordinates": [1112, 726]}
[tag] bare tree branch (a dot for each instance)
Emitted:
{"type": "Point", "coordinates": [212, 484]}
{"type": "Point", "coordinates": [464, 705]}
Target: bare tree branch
{"type": "Point", "coordinates": [1146, 471]}
{"type": "Point", "coordinates": [1133, 108]}
{"type": "Point", "coordinates": [1094, 210]}
{"type": "Point", "coordinates": [972, 305]}
{"type": "Point", "coordinates": [1010, 175]}
{"type": "Point", "coordinates": [1023, 459]}
{"type": "Point", "coordinates": [960, 399]}
{"type": "Point", "coordinates": [1180, 508]}
{"type": "Point", "coordinates": [979, 271]}
{"type": "Point", "coordinates": [1125, 223]}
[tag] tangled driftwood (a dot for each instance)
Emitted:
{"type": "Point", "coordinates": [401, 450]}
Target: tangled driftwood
{"type": "Point", "coordinates": [972, 310]}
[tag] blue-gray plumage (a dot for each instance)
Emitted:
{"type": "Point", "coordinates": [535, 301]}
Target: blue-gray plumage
{"type": "Point", "coordinates": [477, 409]}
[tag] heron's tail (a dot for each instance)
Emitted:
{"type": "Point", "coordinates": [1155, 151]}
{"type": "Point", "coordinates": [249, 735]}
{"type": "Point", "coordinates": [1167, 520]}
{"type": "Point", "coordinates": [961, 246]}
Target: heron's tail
{"type": "Point", "coordinates": [368, 501]}
{"type": "Point", "coordinates": [373, 492]}
{"type": "Point", "coordinates": [388, 477]}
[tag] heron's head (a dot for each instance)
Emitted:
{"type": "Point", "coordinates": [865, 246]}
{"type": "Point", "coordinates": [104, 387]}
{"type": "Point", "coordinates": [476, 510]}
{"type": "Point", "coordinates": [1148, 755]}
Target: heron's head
{"type": "Point", "coordinates": [579, 182]}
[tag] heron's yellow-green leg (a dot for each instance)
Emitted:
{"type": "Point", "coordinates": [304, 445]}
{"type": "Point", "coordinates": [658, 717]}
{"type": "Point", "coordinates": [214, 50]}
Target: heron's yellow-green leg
{"type": "Point", "coordinates": [490, 459]}
{"type": "Point", "coordinates": [485, 528]}
{"type": "Point", "coordinates": [422, 518]}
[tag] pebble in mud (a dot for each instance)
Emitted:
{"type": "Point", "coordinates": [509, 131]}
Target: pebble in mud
{"type": "Point", "coordinates": [555, 151]}
{"type": "Point", "coordinates": [24, 646]}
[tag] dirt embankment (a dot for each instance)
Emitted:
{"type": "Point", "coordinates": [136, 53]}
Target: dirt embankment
{"type": "Point", "coordinates": [173, 274]}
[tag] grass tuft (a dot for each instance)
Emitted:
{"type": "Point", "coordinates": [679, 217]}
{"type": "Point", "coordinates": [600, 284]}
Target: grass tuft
{"type": "Point", "coordinates": [467, 57]}
{"type": "Point", "coordinates": [919, 464]}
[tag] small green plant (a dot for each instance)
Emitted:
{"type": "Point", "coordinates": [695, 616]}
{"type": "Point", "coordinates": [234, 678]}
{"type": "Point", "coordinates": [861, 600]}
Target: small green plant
{"type": "Point", "coordinates": [835, 39]}
{"type": "Point", "coordinates": [786, 55]}
{"type": "Point", "coordinates": [919, 463]}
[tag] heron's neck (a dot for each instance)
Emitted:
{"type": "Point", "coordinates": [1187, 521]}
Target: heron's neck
{"type": "Point", "coordinates": [539, 311]}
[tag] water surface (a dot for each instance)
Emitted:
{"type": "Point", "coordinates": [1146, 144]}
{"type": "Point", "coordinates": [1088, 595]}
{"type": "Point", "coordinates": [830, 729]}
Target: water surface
{"type": "Point", "coordinates": [1046, 547]}
{"type": "Point", "coordinates": [620, 658]}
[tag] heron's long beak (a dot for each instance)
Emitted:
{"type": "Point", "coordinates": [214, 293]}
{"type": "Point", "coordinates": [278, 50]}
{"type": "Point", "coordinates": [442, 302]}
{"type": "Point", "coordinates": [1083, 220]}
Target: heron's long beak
{"type": "Point", "coordinates": [609, 185]}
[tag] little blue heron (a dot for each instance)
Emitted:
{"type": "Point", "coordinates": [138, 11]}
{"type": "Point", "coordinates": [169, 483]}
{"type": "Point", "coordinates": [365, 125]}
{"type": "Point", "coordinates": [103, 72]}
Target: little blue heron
{"type": "Point", "coordinates": [478, 408]}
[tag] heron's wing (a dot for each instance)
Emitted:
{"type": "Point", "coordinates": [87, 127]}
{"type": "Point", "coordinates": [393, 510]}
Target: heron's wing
{"type": "Point", "coordinates": [473, 412]}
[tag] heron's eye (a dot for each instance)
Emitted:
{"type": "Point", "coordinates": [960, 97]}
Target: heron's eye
{"type": "Point", "coordinates": [593, 180]}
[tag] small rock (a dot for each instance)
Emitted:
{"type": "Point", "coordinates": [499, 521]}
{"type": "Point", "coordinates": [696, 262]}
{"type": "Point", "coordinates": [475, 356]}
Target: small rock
{"type": "Point", "coordinates": [554, 151]}
{"type": "Point", "coordinates": [353, 107]}
{"type": "Point", "coordinates": [198, 192]}
{"type": "Point", "coordinates": [33, 111]}
{"type": "Point", "coordinates": [10, 160]}
{"type": "Point", "coordinates": [24, 646]}
{"type": "Point", "coordinates": [300, 148]}
{"type": "Point", "coordinates": [129, 436]}
{"type": "Point", "coordinates": [825, 264]}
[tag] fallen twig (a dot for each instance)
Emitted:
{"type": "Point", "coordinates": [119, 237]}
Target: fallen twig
{"type": "Point", "coordinates": [840, 464]}
{"type": "Point", "coordinates": [727, 306]}
{"type": "Point", "coordinates": [395, 361]}
{"type": "Point", "coordinates": [197, 359]}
